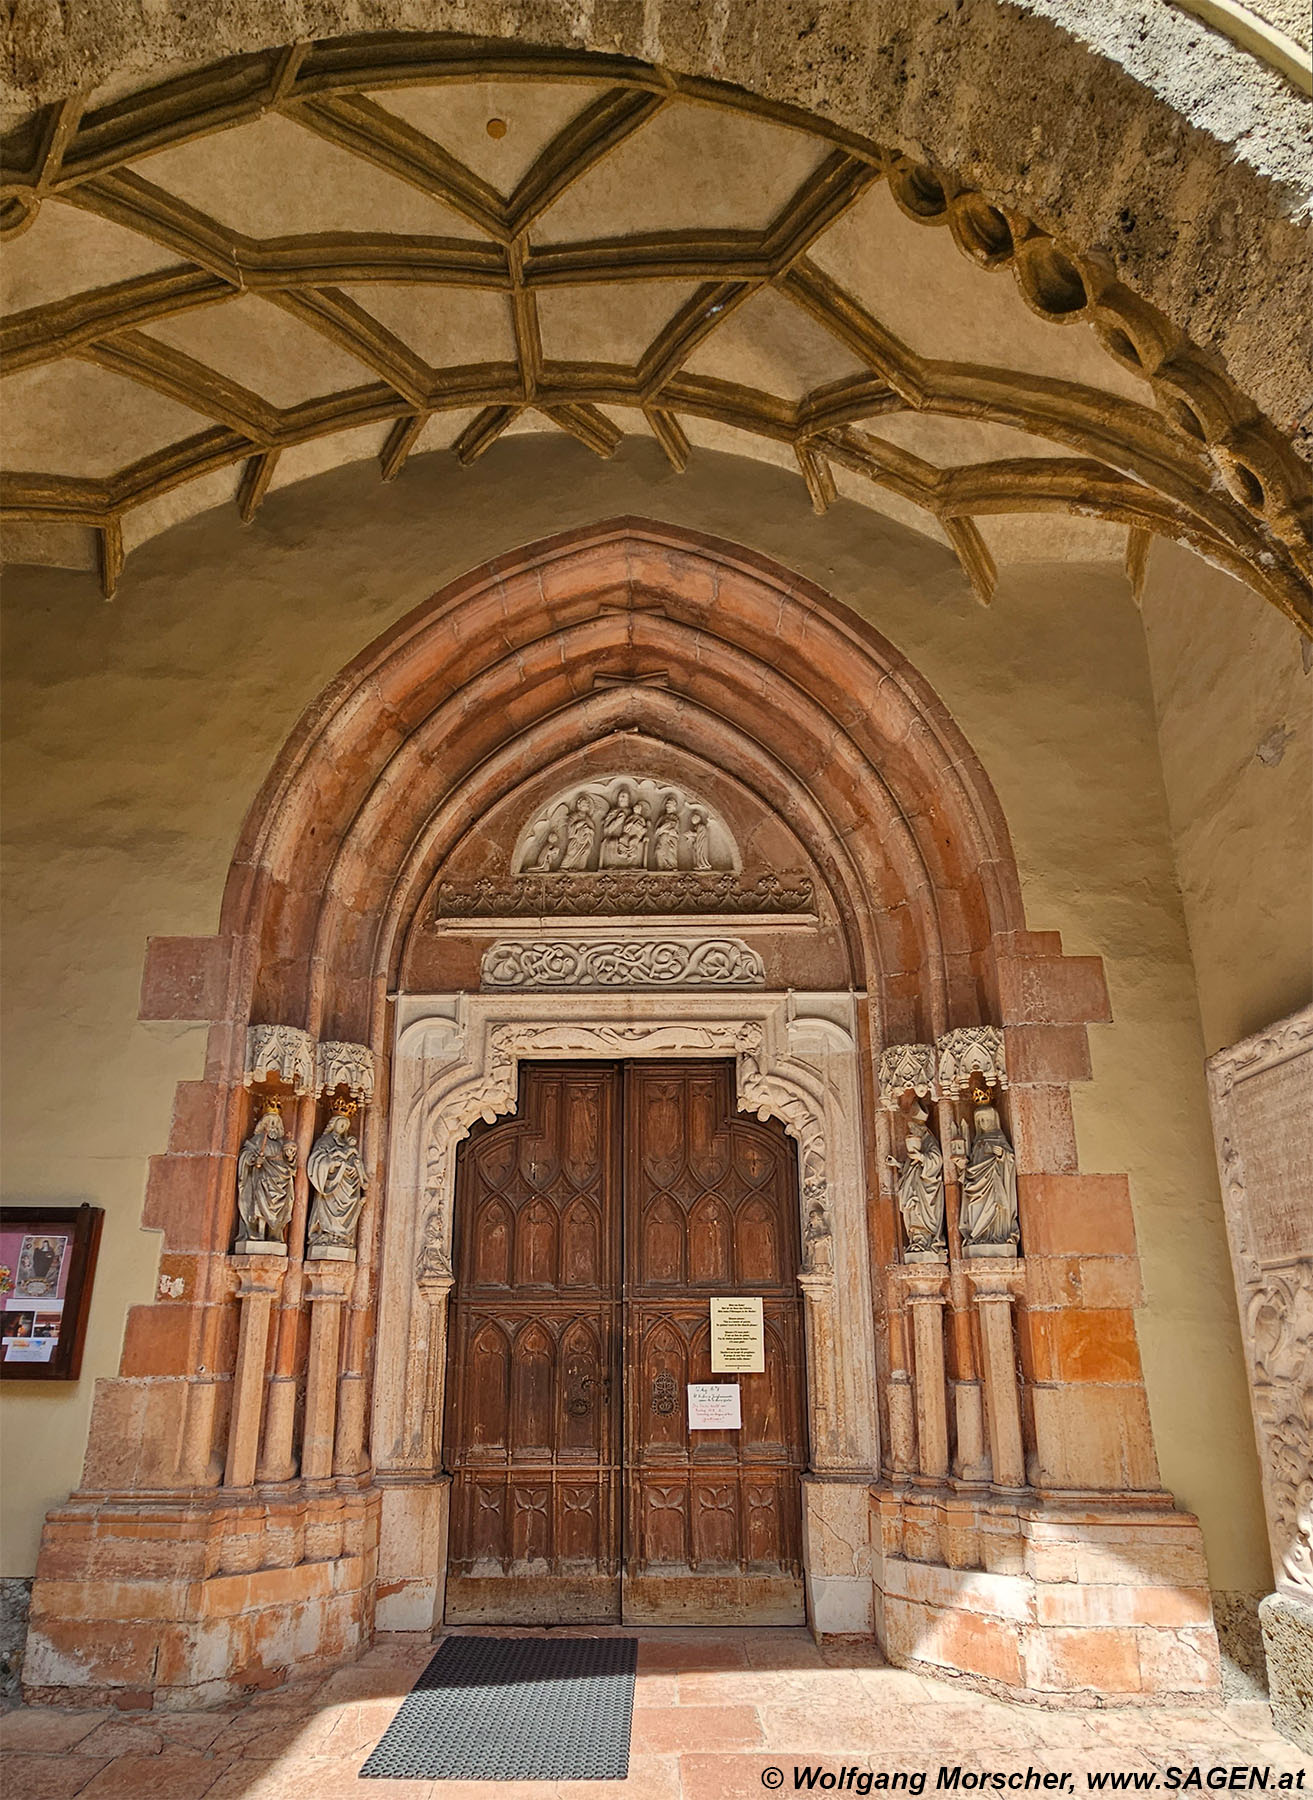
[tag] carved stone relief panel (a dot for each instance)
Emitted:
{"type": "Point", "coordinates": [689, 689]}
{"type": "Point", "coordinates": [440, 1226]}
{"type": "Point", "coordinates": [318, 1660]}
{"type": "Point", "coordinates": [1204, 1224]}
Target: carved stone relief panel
{"type": "Point", "coordinates": [625, 822]}
{"type": "Point", "coordinates": [624, 893]}
{"type": "Point", "coordinates": [1261, 1092]}
{"type": "Point", "coordinates": [622, 962]}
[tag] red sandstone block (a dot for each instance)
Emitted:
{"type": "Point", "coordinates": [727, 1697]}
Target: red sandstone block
{"type": "Point", "coordinates": [186, 978]}
{"type": "Point", "coordinates": [1091, 1436]}
{"type": "Point", "coordinates": [1075, 1344]}
{"type": "Point", "coordinates": [1043, 1132]}
{"type": "Point", "coordinates": [1040, 1054]}
{"type": "Point", "coordinates": [76, 1652]}
{"type": "Point", "coordinates": [1076, 1214]}
{"type": "Point", "coordinates": [182, 1196]}
{"type": "Point", "coordinates": [1090, 1603]}
{"type": "Point", "coordinates": [1082, 1281]}
{"type": "Point", "coordinates": [1066, 990]}
{"type": "Point", "coordinates": [1182, 1661]}
{"type": "Point", "coordinates": [202, 1112]}
{"type": "Point", "coordinates": [1063, 1660]}
{"type": "Point", "coordinates": [158, 1340]}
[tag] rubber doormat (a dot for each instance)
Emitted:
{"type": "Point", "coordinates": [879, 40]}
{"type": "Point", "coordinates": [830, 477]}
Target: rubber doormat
{"type": "Point", "coordinates": [515, 1709]}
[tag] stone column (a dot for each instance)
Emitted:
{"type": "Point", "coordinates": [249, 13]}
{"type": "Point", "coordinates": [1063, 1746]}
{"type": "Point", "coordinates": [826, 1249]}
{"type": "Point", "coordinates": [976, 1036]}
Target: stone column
{"type": "Point", "coordinates": [259, 1283]}
{"type": "Point", "coordinates": [327, 1286]}
{"type": "Point", "coordinates": [926, 1292]}
{"type": "Point", "coordinates": [993, 1281]}
{"type": "Point", "coordinates": [435, 1291]}
{"type": "Point", "coordinates": [822, 1391]}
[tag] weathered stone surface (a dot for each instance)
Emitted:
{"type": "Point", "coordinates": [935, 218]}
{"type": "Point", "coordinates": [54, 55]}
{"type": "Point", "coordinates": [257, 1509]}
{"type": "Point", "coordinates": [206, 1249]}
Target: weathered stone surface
{"type": "Point", "coordinates": [1288, 1642]}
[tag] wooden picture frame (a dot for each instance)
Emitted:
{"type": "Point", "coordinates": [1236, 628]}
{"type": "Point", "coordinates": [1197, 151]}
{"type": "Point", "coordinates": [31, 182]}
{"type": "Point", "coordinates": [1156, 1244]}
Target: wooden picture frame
{"type": "Point", "coordinates": [47, 1266]}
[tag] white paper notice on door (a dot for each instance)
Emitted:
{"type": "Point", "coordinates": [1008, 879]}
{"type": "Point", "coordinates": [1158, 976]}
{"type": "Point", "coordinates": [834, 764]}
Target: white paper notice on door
{"type": "Point", "coordinates": [714, 1406]}
{"type": "Point", "coordinates": [738, 1335]}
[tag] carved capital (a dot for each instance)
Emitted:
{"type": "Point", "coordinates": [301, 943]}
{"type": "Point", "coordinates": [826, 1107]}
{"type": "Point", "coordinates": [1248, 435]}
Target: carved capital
{"type": "Point", "coordinates": [904, 1068]}
{"type": "Point", "coordinates": [967, 1051]}
{"type": "Point", "coordinates": [282, 1051]}
{"type": "Point", "coordinates": [345, 1065]}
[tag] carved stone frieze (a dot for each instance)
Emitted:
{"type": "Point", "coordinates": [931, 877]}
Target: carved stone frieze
{"type": "Point", "coordinates": [625, 822]}
{"type": "Point", "coordinates": [1261, 1091]}
{"type": "Point", "coordinates": [623, 893]}
{"type": "Point", "coordinates": [971, 1050]}
{"type": "Point", "coordinates": [622, 962]}
{"type": "Point", "coordinates": [284, 1051]}
{"type": "Point", "coordinates": [345, 1065]}
{"type": "Point", "coordinates": [904, 1068]}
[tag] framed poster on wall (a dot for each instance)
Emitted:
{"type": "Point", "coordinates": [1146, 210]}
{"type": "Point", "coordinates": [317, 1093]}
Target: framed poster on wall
{"type": "Point", "coordinates": [47, 1264]}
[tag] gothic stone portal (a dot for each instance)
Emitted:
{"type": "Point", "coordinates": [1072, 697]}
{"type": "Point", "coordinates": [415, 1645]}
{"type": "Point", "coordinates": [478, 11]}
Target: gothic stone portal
{"type": "Point", "coordinates": [592, 1230]}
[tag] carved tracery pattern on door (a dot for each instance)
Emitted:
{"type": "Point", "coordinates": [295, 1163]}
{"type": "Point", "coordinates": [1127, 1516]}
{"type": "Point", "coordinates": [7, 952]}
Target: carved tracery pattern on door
{"type": "Point", "coordinates": [553, 1276]}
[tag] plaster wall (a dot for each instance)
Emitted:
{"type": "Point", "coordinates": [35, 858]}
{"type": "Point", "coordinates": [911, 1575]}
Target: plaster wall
{"type": "Point", "coordinates": [1239, 781]}
{"type": "Point", "coordinates": [139, 733]}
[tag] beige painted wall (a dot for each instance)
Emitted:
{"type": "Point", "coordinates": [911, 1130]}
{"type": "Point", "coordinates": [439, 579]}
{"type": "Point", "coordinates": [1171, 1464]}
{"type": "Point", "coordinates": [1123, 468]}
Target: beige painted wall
{"type": "Point", "coordinates": [1235, 723]}
{"type": "Point", "coordinates": [139, 733]}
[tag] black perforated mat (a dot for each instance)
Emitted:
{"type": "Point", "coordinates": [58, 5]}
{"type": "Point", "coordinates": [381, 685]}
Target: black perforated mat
{"type": "Point", "coordinates": [515, 1709]}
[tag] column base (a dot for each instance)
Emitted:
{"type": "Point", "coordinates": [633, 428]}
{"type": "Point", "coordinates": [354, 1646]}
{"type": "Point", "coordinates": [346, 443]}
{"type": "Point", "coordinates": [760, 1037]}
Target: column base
{"type": "Point", "coordinates": [412, 1565]}
{"type": "Point", "coordinates": [175, 1601]}
{"type": "Point", "coordinates": [837, 1556]}
{"type": "Point", "coordinates": [1287, 1627]}
{"type": "Point", "coordinates": [1086, 1604]}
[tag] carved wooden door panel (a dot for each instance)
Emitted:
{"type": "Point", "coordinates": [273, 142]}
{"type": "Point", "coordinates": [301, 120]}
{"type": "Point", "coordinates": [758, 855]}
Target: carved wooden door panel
{"type": "Point", "coordinates": [532, 1430]}
{"type": "Point", "coordinates": [713, 1522]}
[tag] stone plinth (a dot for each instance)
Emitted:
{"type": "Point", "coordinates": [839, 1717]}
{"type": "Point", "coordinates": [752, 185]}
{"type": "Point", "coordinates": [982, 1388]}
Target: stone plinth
{"type": "Point", "coordinates": [1067, 1604]}
{"type": "Point", "coordinates": [1288, 1644]}
{"type": "Point", "coordinates": [177, 1603]}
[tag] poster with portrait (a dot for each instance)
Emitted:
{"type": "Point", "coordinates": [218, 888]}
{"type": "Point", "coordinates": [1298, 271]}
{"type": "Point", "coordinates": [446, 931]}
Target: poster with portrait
{"type": "Point", "coordinates": [47, 1260]}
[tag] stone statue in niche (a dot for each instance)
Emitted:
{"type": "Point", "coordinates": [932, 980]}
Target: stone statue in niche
{"type": "Point", "coordinates": [921, 1191]}
{"type": "Point", "coordinates": [625, 825]}
{"type": "Point", "coordinates": [665, 836]}
{"type": "Point", "coordinates": [337, 1176]}
{"type": "Point", "coordinates": [817, 1241]}
{"type": "Point", "coordinates": [266, 1176]}
{"type": "Point", "coordinates": [699, 839]}
{"type": "Point", "coordinates": [989, 1219]}
{"type": "Point", "coordinates": [434, 1262]}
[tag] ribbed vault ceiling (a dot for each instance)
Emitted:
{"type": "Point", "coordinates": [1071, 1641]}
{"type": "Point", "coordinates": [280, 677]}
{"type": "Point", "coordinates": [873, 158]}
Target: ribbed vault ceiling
{"type": "Point", "coordinates": [381, 247]}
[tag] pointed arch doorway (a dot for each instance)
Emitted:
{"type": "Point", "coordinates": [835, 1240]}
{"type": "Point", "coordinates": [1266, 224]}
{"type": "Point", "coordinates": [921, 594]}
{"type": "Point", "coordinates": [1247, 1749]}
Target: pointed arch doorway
{"type": "Point", "coordinates": [592, 1230]}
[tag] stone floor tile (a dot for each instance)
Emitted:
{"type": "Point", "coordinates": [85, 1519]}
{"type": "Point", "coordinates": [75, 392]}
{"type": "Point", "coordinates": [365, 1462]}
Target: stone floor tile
{"type": "Point", "coordinates": [355, 1730]}
{"type": "Point", "coordinates": [735, 1777]}
{"type": "Point", "coordinates": [769, 1687]}
{"type": "Point", "coordinates": [650, 1778]}
{"type": "Point", "coordinates": [155, 1778]}
{"type": "Point", "coordinates": [811, 1731]}
{"type": "Point", "coordinates": [382, 1682]}
{"type": "Point", "coordinates": [260, 1737]}
{"type": "Point", "coordinates": [783, 1650]}
{"type": "Point", "coordinates": [888, 1686]}
{"type": "Point", "coordinates": [154, 1734]}
{"type": "Point", "coordinates": [659, 1730]}
{"type": "Point", "coordinates": [960, 1723]}
{"type": "Point", "coordinates": [36, 1776]}
{"type": "Point", "coordinates": [47, 1727]}
{"type": "Point", "coordinates": [656, 1688]}
{"type": "Point", "coordinates": [851, 1653]}
{"type": "Point", "coordinates": [690, 1653]}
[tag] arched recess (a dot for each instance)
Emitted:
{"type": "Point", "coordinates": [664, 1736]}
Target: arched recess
{"type": "Point", "coordinates": [504, 677]}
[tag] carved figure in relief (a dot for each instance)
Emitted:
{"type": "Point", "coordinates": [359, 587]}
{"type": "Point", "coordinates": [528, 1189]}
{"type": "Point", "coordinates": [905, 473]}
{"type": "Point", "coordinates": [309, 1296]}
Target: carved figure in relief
{"type": "Point", "coordinates": [434, 1257]}
{"type": "Point", "coordinates": [989, 1180]}
{"type": "Point", "coordinates": [580, 833]}
{"type": "Point", "coordinates": [337, 1175]}
{"type": "Point", "coordinates": [614, 825]}
{"type": "Point", "coordinates": [633, 840]}
{"type": "Point", "coordinates": [699, 839]}
{"type": "Point", "coordinates": [266, 1173]}
{"type": "Point", "coordinates": [549, 855]}
{"type": "Point", "coordinates": [921, 1188]}
{"type": "Point", "coordinates": [665, 836]}
{"type": "Point", "coordinates": [817, 1241]}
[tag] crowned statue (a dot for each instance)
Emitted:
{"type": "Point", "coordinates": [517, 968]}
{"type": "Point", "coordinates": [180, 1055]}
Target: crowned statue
{"type": "Point", "coordinates": [989, 1222]}
{"type": "Point", "coordinates": [266, 1176]}
{"type": "Point", "coordinates": [921, 1190]}
{"type": "Point", "coordinates": [337, 1176]}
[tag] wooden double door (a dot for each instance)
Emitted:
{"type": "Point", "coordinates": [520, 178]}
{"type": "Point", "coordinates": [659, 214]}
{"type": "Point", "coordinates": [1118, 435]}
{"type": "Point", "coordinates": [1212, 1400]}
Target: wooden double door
{"type": "Point", "coordinates": [592, 1230]}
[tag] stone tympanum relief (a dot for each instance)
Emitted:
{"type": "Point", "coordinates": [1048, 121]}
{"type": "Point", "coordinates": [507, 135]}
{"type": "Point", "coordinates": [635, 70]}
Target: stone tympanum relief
{"type": "Point", "coordinates": [921, 1190]}
{"type": "Point", "coordinates": [336, 1172]}
{"type": "Point", "coordinates": [989, 1220]}
{"type": "Point", "coordinates": [622, 962]}
{"type": "Point", "coordinates": [1262, 1101]}
{"type": "Point", "coordinates": [625, 823]}
{"type": "Point", "coordinates": [266, 1176]}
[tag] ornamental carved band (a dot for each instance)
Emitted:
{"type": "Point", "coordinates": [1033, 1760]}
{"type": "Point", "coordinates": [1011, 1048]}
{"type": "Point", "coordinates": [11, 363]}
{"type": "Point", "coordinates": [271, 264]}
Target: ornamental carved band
{"type": "Point", "coordinates": [904, 1066]}
{"type": "Point", "coordinates": [345, 1065]}
{"type": "Point", "coordinates": [284, 1051]}
{"type": "Point", "coordinates": [622, 962]}
{"type": "Point", "coordinates": [623, 893]}
{"type": "Point", "coordinates": [971, 1050]}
